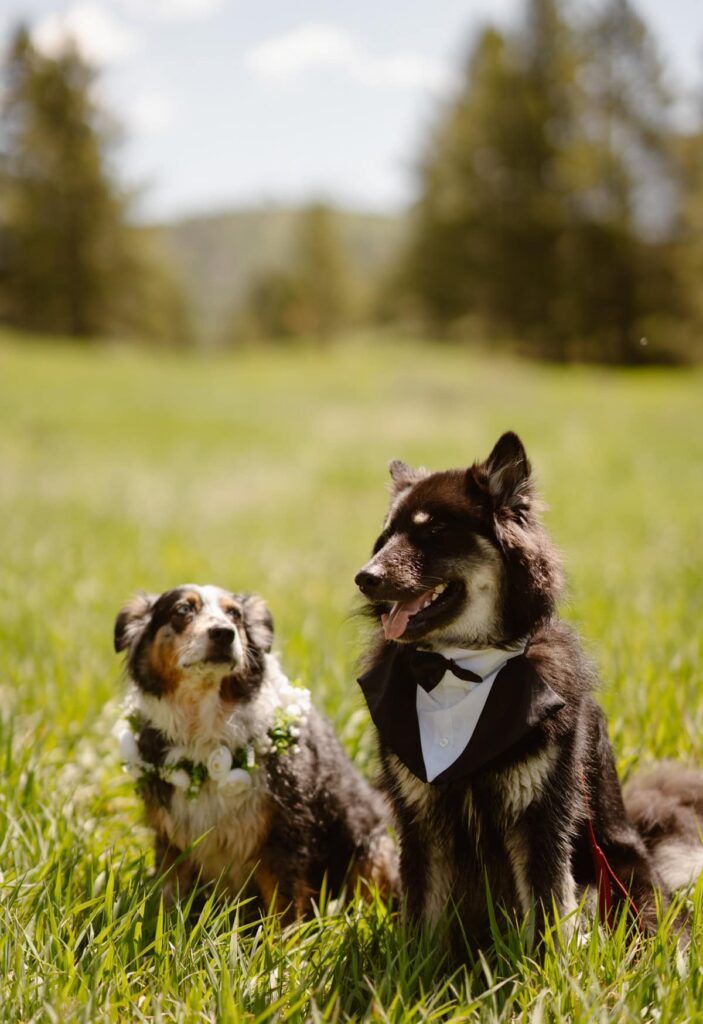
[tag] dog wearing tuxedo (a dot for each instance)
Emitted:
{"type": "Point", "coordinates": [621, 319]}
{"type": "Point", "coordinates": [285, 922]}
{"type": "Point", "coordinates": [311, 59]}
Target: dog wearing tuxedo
{"type": "Point", "coordinates": [493, 750]}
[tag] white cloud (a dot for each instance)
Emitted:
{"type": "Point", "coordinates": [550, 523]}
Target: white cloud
{"type": "Point", "coordinates": [320, 45]}
{"type": "Point", "coordinates": [99, 36]}
{"type": "Point", "coordinates": [172, 10]}
{"type": "Point", "coordinates": [151, 114]}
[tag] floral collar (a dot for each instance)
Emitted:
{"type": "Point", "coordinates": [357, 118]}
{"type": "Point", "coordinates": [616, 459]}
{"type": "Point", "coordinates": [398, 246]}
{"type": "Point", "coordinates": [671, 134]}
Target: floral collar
{"type": "Point", "coordinates": [225, 767]}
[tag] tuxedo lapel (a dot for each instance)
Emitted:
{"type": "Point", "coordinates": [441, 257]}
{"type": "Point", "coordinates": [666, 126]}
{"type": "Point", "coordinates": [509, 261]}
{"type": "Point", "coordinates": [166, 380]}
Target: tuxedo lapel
{"type": "Point", "coordinates": [389, 689]}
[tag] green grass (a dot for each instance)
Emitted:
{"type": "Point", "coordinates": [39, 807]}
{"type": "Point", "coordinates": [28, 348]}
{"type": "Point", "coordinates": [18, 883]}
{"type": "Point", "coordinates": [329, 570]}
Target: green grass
{"type": "Point", "coordinates": [121, 471]}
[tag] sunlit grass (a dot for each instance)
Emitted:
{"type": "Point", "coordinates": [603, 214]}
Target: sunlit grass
{"type": "Point", "coordinates": [121, 471]}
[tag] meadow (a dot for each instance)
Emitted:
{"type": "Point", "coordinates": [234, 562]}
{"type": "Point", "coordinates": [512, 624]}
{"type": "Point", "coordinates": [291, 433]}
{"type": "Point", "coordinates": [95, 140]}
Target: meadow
{"type": "Point", "coordinates": [122, 470]}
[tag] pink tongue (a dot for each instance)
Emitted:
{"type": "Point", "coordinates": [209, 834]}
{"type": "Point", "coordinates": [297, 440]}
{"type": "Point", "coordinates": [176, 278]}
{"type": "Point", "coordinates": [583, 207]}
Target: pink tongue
{"type": "Point", "coordinates": [396, 621]}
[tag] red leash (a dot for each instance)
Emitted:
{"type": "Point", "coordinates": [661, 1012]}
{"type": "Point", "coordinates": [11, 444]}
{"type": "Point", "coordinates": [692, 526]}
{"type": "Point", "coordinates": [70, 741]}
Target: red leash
{"type": "Point", "coordinates": [605, 876]}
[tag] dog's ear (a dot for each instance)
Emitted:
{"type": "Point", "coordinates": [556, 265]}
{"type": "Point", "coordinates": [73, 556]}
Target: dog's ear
{"type": "Point", "coordinates": [258, 621]}
{"type": "Point", "coordinates": [403, 476]}
{"type": "Point", "coordinates": [132, 620]}
{"type": "Point", "coordinates": [505, 477]}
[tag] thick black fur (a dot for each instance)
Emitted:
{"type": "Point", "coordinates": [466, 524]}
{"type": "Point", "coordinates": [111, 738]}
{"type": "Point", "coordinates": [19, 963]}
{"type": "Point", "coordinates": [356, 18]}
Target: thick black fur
{"type": "Point", "coordinates": [456, 836]}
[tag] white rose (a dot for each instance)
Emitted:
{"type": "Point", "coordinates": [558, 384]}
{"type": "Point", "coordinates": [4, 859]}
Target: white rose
{"type": "Point", "coordinates": [129, 750]}
{"type": "Point", "coordinates": [237, 777]}
{"type": "Point", "coordinates": [179, 778]}
{"type": "Point", "coordinates": [120, 726]}
{"type": "Point", "coordinates": [219, 763]}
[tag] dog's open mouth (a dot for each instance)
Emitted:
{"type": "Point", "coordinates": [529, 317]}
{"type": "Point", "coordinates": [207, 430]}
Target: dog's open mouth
{"type": "Point", "coordinates": [414, 614]}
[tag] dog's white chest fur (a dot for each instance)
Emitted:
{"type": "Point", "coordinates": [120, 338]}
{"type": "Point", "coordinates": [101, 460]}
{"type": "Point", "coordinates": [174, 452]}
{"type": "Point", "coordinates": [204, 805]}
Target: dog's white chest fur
{"type": "Point", "coordinates": [228, 829]}
{"type": "Point", "coordinates": [224, 827]}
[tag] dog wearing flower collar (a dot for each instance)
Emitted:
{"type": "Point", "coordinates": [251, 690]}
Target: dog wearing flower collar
{"type": "Point", "coordinates": [494, 753]}
{"type": "Point", "coordinates": [243, 781]}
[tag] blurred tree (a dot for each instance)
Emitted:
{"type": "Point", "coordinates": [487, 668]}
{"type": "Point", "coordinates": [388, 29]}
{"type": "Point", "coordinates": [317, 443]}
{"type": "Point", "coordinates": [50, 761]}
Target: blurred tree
{"type": "Point", "coordinates": [548, 188]}
{"type": "Point", "coordinates": [312, 299]}
{"type": "Point", "coordinates": [69, 263]}
{"type": "Point", "coordinates": [492, 206]}
{"type": "Point", "coordinates": [321, 272]}
{"type": "Point", "coordinates": [625, 186]}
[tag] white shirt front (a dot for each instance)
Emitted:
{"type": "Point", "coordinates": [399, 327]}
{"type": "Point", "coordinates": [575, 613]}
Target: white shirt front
{"type": "Point", "coordinates": [448, 716]}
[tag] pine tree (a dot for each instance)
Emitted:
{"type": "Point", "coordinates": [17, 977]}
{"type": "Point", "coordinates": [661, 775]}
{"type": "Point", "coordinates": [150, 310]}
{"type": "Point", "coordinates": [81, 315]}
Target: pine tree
{"type": "Point", "coordinates": [320, 273]}
{"type": "Point", "coordinates": [69, 261]}
{"type": "Point", "coordinates": [537, 186]}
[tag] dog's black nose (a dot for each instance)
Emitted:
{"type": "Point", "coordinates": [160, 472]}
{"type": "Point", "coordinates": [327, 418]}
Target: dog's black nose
{"type": "Point", "coordinates": [221, 634]}
{"type": "Point", "coordinates": [368, 582]}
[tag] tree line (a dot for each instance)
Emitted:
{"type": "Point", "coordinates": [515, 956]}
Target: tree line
{"type": "Point", "coordinates": [559, 210]}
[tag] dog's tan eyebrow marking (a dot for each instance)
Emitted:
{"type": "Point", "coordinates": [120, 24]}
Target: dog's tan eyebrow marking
{"type": "Point", "coordinates": [193, 599]}
{"type": "Point", "coordinates": [421, 517]}
{"type": "Point", "coordinates": [228, 605]}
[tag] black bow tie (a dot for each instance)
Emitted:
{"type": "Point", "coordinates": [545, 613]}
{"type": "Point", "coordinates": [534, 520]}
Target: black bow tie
{"type": "Point", "coordinates": [428, 668]}
{"type": "Point", "coordinates": [518, 702]}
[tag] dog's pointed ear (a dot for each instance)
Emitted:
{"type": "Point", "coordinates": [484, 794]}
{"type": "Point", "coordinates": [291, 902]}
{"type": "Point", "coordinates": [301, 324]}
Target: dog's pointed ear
{"type": "Point", "coordinates": [403, 476]}
{"type": "Point", "coordinates": [132, 620]}
{"type": "Point", "coordinates": [506, 475]}
{"type": "Point", "coordinates": [258, 621]}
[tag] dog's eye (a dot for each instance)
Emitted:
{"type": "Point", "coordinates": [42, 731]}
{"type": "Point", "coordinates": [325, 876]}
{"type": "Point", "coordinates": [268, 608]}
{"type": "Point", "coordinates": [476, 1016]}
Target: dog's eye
{"type": "Point", "coordinates": [181, 611]}
{"type": "Point", "coordinates": [436, 528]}
{"type": "Point", "coordinates": [235, 614]}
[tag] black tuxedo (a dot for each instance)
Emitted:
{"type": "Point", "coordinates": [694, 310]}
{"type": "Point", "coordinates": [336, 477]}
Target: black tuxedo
{"type": "Point", "coordinates": [518, 701]}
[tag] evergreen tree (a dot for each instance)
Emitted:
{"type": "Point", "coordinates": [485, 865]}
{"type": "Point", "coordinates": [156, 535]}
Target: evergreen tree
{"type": "Point", "coordinates": [538, 184]}
{"type": "Point", "coordinates": [321, 274]}
{"type": "Point", "coordinates": [310, 299]}
{"type": "Point", "coordinates": [69, 262]}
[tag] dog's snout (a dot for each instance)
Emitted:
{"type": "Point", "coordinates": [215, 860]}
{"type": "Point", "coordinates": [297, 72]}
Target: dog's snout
{"type": "Point", "coordinates": [221, 634]}
{"type": "Point", "coordinates": [368, 582]}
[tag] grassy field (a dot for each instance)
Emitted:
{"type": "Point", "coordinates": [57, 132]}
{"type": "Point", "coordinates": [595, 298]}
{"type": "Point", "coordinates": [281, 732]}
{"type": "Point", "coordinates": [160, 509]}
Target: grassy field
{"type": "Point", "coordinates": [121, 471]}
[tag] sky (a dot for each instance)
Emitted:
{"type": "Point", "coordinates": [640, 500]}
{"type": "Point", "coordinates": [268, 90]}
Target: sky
{"type": "Point", "coordinates": [240, 102]}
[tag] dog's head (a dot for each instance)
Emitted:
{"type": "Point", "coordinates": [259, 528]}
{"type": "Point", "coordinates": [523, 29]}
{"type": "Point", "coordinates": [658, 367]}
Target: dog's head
{"type": "Point", "coordinates": [195, 634]}
{"type": "Point", "coordinates": [463, 559]}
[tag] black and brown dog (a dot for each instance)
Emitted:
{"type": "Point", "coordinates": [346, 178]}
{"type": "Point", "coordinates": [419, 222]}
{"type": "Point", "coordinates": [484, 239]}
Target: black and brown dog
{"type": "Point", "coordinates": [243, 780]}
{"type": "Point", "coordinates": [493, 749]}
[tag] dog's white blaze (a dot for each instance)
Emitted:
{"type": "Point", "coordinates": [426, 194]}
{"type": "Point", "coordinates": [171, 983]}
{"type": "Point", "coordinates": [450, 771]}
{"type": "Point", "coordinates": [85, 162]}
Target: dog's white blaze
{"type": "Point", "coordinates": [211, 614]}
{"type": "Point", "coordinates": [522, 784]}
{"type": "Point", "coordinates": [679, 863]}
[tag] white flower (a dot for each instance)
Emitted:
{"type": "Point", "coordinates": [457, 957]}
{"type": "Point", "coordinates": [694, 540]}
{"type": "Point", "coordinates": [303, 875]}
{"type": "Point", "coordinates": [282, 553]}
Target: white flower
{"type": "Point", "coordinates": [129, 750]}
{"type": "Point", "coordinates": [179, 778]}
{"type": "Point", "coordinates": [294, 731]}
{"type": "Point", "coordinates": [237, 777]}
{"type": "Point", "coordinates": [219, 763]}
{"type": "Point", "coordinates": [263, 744]}
{"type": "Point", "coordinates": [294, 710]}
{"type": "Point", "coordinates": [134, 769]}
{"type": "Point", "coordinates": [120, 726]}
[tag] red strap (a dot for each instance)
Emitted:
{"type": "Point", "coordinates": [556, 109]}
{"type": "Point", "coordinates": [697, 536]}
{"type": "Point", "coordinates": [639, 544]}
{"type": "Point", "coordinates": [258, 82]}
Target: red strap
{"type": "Point", "coordinates": [604, 873]}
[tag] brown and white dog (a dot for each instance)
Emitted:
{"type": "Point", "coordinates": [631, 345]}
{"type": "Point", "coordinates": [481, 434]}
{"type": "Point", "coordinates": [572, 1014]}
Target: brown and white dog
{"type": "Point", "coordinates": [493, 749]}
{"type": "Point", "coordinates": [242, 779]}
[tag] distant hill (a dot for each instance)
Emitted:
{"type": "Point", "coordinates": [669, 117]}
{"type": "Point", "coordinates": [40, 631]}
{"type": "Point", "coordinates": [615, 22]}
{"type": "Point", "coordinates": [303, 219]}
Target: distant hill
{"type": "Point", "coordinates": [218, 255]}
